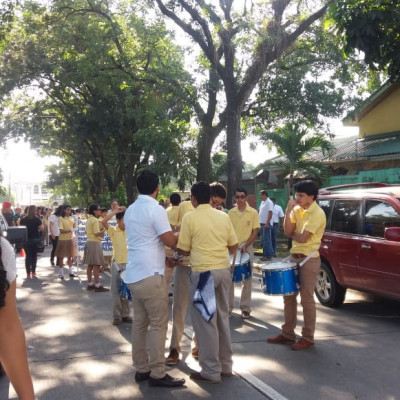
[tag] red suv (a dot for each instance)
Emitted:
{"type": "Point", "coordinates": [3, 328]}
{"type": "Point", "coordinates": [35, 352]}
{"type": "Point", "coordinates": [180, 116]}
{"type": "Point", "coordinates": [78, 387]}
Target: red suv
{"type": "Point", "coordinates": [360, 248]}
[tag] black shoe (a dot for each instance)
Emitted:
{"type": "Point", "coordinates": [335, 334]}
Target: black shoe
{"type": "Point", "coordinates": [167, 381]}
{"type": "Point", "coordinates": [73, 275]}
{"type": "Point", "coordinates": [142, 376]}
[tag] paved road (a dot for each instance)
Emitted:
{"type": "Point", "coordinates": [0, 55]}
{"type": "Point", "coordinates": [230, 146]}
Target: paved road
{"type": "Point", "coordinates": [75, 353]}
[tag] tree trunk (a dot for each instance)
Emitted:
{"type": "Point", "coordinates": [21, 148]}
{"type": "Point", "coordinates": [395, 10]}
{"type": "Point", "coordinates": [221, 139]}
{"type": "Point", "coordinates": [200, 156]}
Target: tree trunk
{"type": "Point", "coordinates": [206, 141]}
{"type": "Point", "coordinates": [234, 154]}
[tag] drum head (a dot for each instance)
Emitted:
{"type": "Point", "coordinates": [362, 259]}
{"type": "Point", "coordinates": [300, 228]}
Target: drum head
{"type": "Point", "coordinates": [279, 266]}
{"type": "Point", "coordinates": [122, 275]}
{"type": "Point", "coordinates": [241, 258]}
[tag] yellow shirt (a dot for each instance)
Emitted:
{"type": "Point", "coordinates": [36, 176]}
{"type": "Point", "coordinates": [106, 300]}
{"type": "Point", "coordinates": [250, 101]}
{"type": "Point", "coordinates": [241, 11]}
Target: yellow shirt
{"type": "Point", "coordinates": [66, 223]}
{"type": "Point", "coordinates": [244, 222]}
{"type": "Point", "coordinates": [172, 213]}
{"type": "Point", "coordinates": [207, 233]}
{"type": "Point", "coordinates": [92, 227]}
{"type": "Point", "coordinates": [184, 207]}
{"type": "Point", "coordinates": [118, 240]}
{"type": "Point", "coordinates": [312, 220]}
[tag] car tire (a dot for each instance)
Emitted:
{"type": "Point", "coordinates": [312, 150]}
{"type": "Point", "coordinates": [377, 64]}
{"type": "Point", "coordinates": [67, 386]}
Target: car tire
{"type": "Point", "coordinates": [327, 289]}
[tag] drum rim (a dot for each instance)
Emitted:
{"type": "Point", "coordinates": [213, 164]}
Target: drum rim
{"type": "Point", "coordinates": [295, 266]}
{"type": "Point", "coordinates": [281, 294]}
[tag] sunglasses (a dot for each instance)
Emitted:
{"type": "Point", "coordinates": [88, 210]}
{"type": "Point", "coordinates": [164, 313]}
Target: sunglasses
{"type": "Point", "coordinates": [240, 196]}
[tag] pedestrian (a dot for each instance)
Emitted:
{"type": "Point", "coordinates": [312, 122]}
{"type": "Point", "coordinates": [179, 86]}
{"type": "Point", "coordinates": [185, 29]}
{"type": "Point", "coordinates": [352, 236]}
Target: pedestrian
{"type": "Point", "coordinates": [207, 237]}
{"type": "Point", "coordinates": [277, 218]}
{"type": "Point", "coordinates": [305, 224]}
{"type": "Point", "coordinates": [120, 307]}
{"type": "Point", "coordinates": [54, 232]}
{"type": "Point", "coordinates": [148, 232]}
{"type": "Point", "coordinates": [65, 245]}
{"type": "Point", "coordinates": [265, 218]}
{"type": "Point", "coordinates": [93, 254]}
{"type": "Point", "coordinates": [13, 354]}
{"type": "Point", "coordinates": [246, 224]}
{"type": "Point", "coordinates": [8, 214]}
{"type": "Point", "coordinates": [17, 215]}
{"type": "Point", "coordinates": [34, 226]}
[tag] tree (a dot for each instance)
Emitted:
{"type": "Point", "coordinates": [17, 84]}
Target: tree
{"type": "Point", "coordinates": [106, 100]}
{"type": "Point", "coordinates": [294, 143]}
{"type": "Point", "coordinates": [240, 43]}
{"type": "Point", "coordinates": [372, 27]}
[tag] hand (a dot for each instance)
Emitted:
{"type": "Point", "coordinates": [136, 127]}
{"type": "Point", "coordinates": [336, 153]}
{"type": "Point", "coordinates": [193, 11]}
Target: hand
{"type": "Point", "coordinates": [291, 203]}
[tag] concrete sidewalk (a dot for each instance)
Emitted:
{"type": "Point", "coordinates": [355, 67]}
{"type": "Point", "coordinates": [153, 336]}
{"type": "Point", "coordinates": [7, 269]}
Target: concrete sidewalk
{"type": "Point", "coordinates": [76, 353]}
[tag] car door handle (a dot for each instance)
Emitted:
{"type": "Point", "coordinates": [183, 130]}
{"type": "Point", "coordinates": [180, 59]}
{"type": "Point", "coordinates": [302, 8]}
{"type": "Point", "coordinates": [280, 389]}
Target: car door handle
{"type": "Point", "coordinates": [365, 246]}
{"type": "Point", "coordinates": [326, 240]}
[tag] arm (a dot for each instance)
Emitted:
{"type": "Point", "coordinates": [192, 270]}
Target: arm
{"type": "Point", "coordinates": [183, 252]}
{"type": "Point", "coordinates": [53, 236]}
{"type": "Point", "coordinates": [250, 240]}
{"type": "Point", "coordinates": [233, 249]}
{"type": "Point", "coordinates": [105, 220]}
{"type": "Point", "coordinates": [289, 226]}
{"type": "Point", "coordinates": [169, 239]}
{"type": "Point", "coordinates": [13, 347]}
{"type": "Point", "coordinates": [266, 226]}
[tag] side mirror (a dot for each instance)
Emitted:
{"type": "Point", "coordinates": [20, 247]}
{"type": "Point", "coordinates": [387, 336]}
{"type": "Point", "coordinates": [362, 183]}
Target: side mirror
{"type": "Point", "coordinates": [392, 234]}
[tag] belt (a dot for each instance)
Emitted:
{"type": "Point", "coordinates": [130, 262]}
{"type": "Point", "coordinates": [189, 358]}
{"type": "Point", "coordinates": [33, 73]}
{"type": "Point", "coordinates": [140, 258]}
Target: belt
{"type": "Point", "coordinates": [298, 255]}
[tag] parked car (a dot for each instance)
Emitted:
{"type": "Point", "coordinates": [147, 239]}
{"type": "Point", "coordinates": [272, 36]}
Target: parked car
{"type": "Point", "coordinates": [360, 248]}
{"type": "Point", "coordinates": [16, 235]}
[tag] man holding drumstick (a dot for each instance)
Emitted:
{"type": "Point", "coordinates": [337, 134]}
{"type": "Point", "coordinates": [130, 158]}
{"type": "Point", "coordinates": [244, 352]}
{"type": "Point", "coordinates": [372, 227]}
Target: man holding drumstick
{"type": "Point", "coordinates": [246, 224]}
{"type": "Point", "coordinates": [304, 223]}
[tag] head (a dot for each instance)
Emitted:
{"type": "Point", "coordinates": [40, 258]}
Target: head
{"type": "Point", "coordinates": [94, 209]}
{"type": "Point", "coordinates": [147, 182]}
{"type": "Point", "coordinates": [114, 204]}
{"type": "Point", "coordinates": [18, 210]}
{"type": "Point", "coordinates": [175, 199]}
{"type": "Point", "coordinates": [103, 212]}
{"type": "Point", "coordinates": [273, 199]}
{"type": "Point", "coordinates": [58, 211]}
{"type": "Point", "coordinates": [120, 220]}
{"type": "Point", "coordinates": [218, 194]}
{"type": "Point", "coordinates": [241, 197]}
{"type": "Point", "coordinates": [263, 195]}
{"type": "Point", "coordinates": [201, 193]}
{"type": "Point", "coordinates": [31, 211]}
{"type": "Point", "coordinates": [66, 210]}
{"type": "Point", "coordinates": [6, 207]}
{"type": "Point", "coordinates": [306, 193]}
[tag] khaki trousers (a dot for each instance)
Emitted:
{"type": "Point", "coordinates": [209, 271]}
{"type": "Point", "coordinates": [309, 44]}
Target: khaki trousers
{"type": "Point", "coordinates": [179, 305]}
{"type": "Point", "coordinates": [120, 307]}
{"type": "Point", "coordinates": [214, 337]}
{"type": "Point", "coordinates": [245, 296]}
{"type": "Point", "coordinates": [308, 278]}
{"type": "Point", "coordinates": [150, 308]}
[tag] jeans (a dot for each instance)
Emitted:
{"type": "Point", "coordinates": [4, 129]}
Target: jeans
{"type": "Point", "coordinates": [53, 250]}
{"type": "Point", "coordinates": [31, 255]}
{"type": "Point", "coordinates": [266, 241]}
{"type": "Point", "coordinates": [274, 236]}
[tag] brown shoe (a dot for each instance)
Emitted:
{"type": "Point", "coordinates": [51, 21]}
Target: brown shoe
{"type": "Point", "coordinates": [280, 339]}
{"type": "Point", "coordinates": [90, 288]}
{"type": "Point", "coordinates": [196, 376]}
{"type": "Point", "coordinates": [101, 289]}
{"type": "Point", "coordinates": [117, 321]}
{"type": "Point", "coordinates": [195, 353]}
{"type": "Point", "coordinates": [302, 344]}
{"type": "Point", "coordinates": [172, 358]}
{"type": "Point", "coordinates": [245, 315]}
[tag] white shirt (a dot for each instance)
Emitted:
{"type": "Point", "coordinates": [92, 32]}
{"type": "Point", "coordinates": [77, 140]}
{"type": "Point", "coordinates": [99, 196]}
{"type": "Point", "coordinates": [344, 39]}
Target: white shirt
{"type": "Point", "coordinates": [54, 219]}
{"type": "Point", "coordinates": [145, 221]}
{"type": "Point", "coordinates": [265, 207]}
{"type": "Point", "coordinates": [277, 213]}
{"type": "Point", "coordinates": [8, 258]}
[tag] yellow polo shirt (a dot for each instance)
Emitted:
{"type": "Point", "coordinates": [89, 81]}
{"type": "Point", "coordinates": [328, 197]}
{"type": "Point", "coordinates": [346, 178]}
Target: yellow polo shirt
{"type": "Point", "coordinates": [184, 207]}
{"type": "Point", "coordinates": [118, 240]}
{"type": "Point", "coordinates": [172, 213]}
{"type": "Point", "coordinates": [244, 222]}
{"type": "Point", "coordinates": [66, 223]}
{"type": "Point", "coordinates": [207, 233]}
{"type": "Point", "coordinates": [312, 220]}
{"type": "Point", "coordinates": [92, 227]}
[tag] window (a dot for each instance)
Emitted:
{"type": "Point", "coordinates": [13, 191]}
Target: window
{"type": "Point", "coordinates": [36, 189]}
{"type": "Point", "coordinates": [346, 216]}
{"type": "Point", "coordinates": [378, 216]}
{"type": "Point", "coordinates": [326, 205]}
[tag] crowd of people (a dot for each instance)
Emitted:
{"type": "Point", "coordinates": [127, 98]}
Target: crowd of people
{"type": "Point", "coordinates": [197, 242]}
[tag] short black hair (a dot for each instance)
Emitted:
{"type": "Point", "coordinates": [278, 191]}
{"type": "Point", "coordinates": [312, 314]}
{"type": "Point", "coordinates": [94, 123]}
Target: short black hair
{"type": "Point", "coordinates": [308, 187]}
{"type": "Point", "coordinates": [264, 192]}
{"type": "Point", "coordinates": [175, 199]}
{"type": "Point", "coordinates": [202, 192]}
{"type": "Point", "coordinates": [93, 208]}
{"type": "Point", "coordinates": [104, 209]}
{"type": "Point", "coordinates": [64, 207]}
{"type": "Point", "coordinates": [147, 182]}
{"type": "Point", "coordinates": [120, 215]}
{"type": "Point", "coordinates": [241, 190]}
{"type": "Point", "coordinates": [218, 190]}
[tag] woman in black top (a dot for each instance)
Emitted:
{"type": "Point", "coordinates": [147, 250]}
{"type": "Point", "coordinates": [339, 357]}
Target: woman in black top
{"type": "Point", "coordinates": [35, 228]}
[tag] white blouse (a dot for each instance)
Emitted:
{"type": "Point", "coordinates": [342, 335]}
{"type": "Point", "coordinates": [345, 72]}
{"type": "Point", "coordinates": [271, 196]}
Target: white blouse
{"type": "Point", "coordinates": [8, 258]}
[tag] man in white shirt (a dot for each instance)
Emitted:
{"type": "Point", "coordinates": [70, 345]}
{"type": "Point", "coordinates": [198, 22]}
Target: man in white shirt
{"type": "Point", "coordinates": [147, 232]}
{"type": "Point", "coordinates": [265, 217]}
{"type": "Point", "coordinates": [277, 217]}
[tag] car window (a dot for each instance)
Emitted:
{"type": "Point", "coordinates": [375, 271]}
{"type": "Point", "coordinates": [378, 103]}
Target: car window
{"type": "Point", "coordinates": [378, 216]}
{"type": "Point", "coordinates": [346, 216]}
{"type": "Point", "coordinates": [326, 205]}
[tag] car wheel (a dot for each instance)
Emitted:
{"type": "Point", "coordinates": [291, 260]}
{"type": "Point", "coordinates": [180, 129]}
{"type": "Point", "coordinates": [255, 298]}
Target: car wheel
{"type": "Point", "coordinates": [328, 291]}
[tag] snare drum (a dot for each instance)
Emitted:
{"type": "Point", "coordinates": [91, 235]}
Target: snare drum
{"type": "Point", "coordinates": [281, 278]}
{"type": "Point", "coordinates": [242, 270]}
{"type": "Point", "coordinates": [124, 291]}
